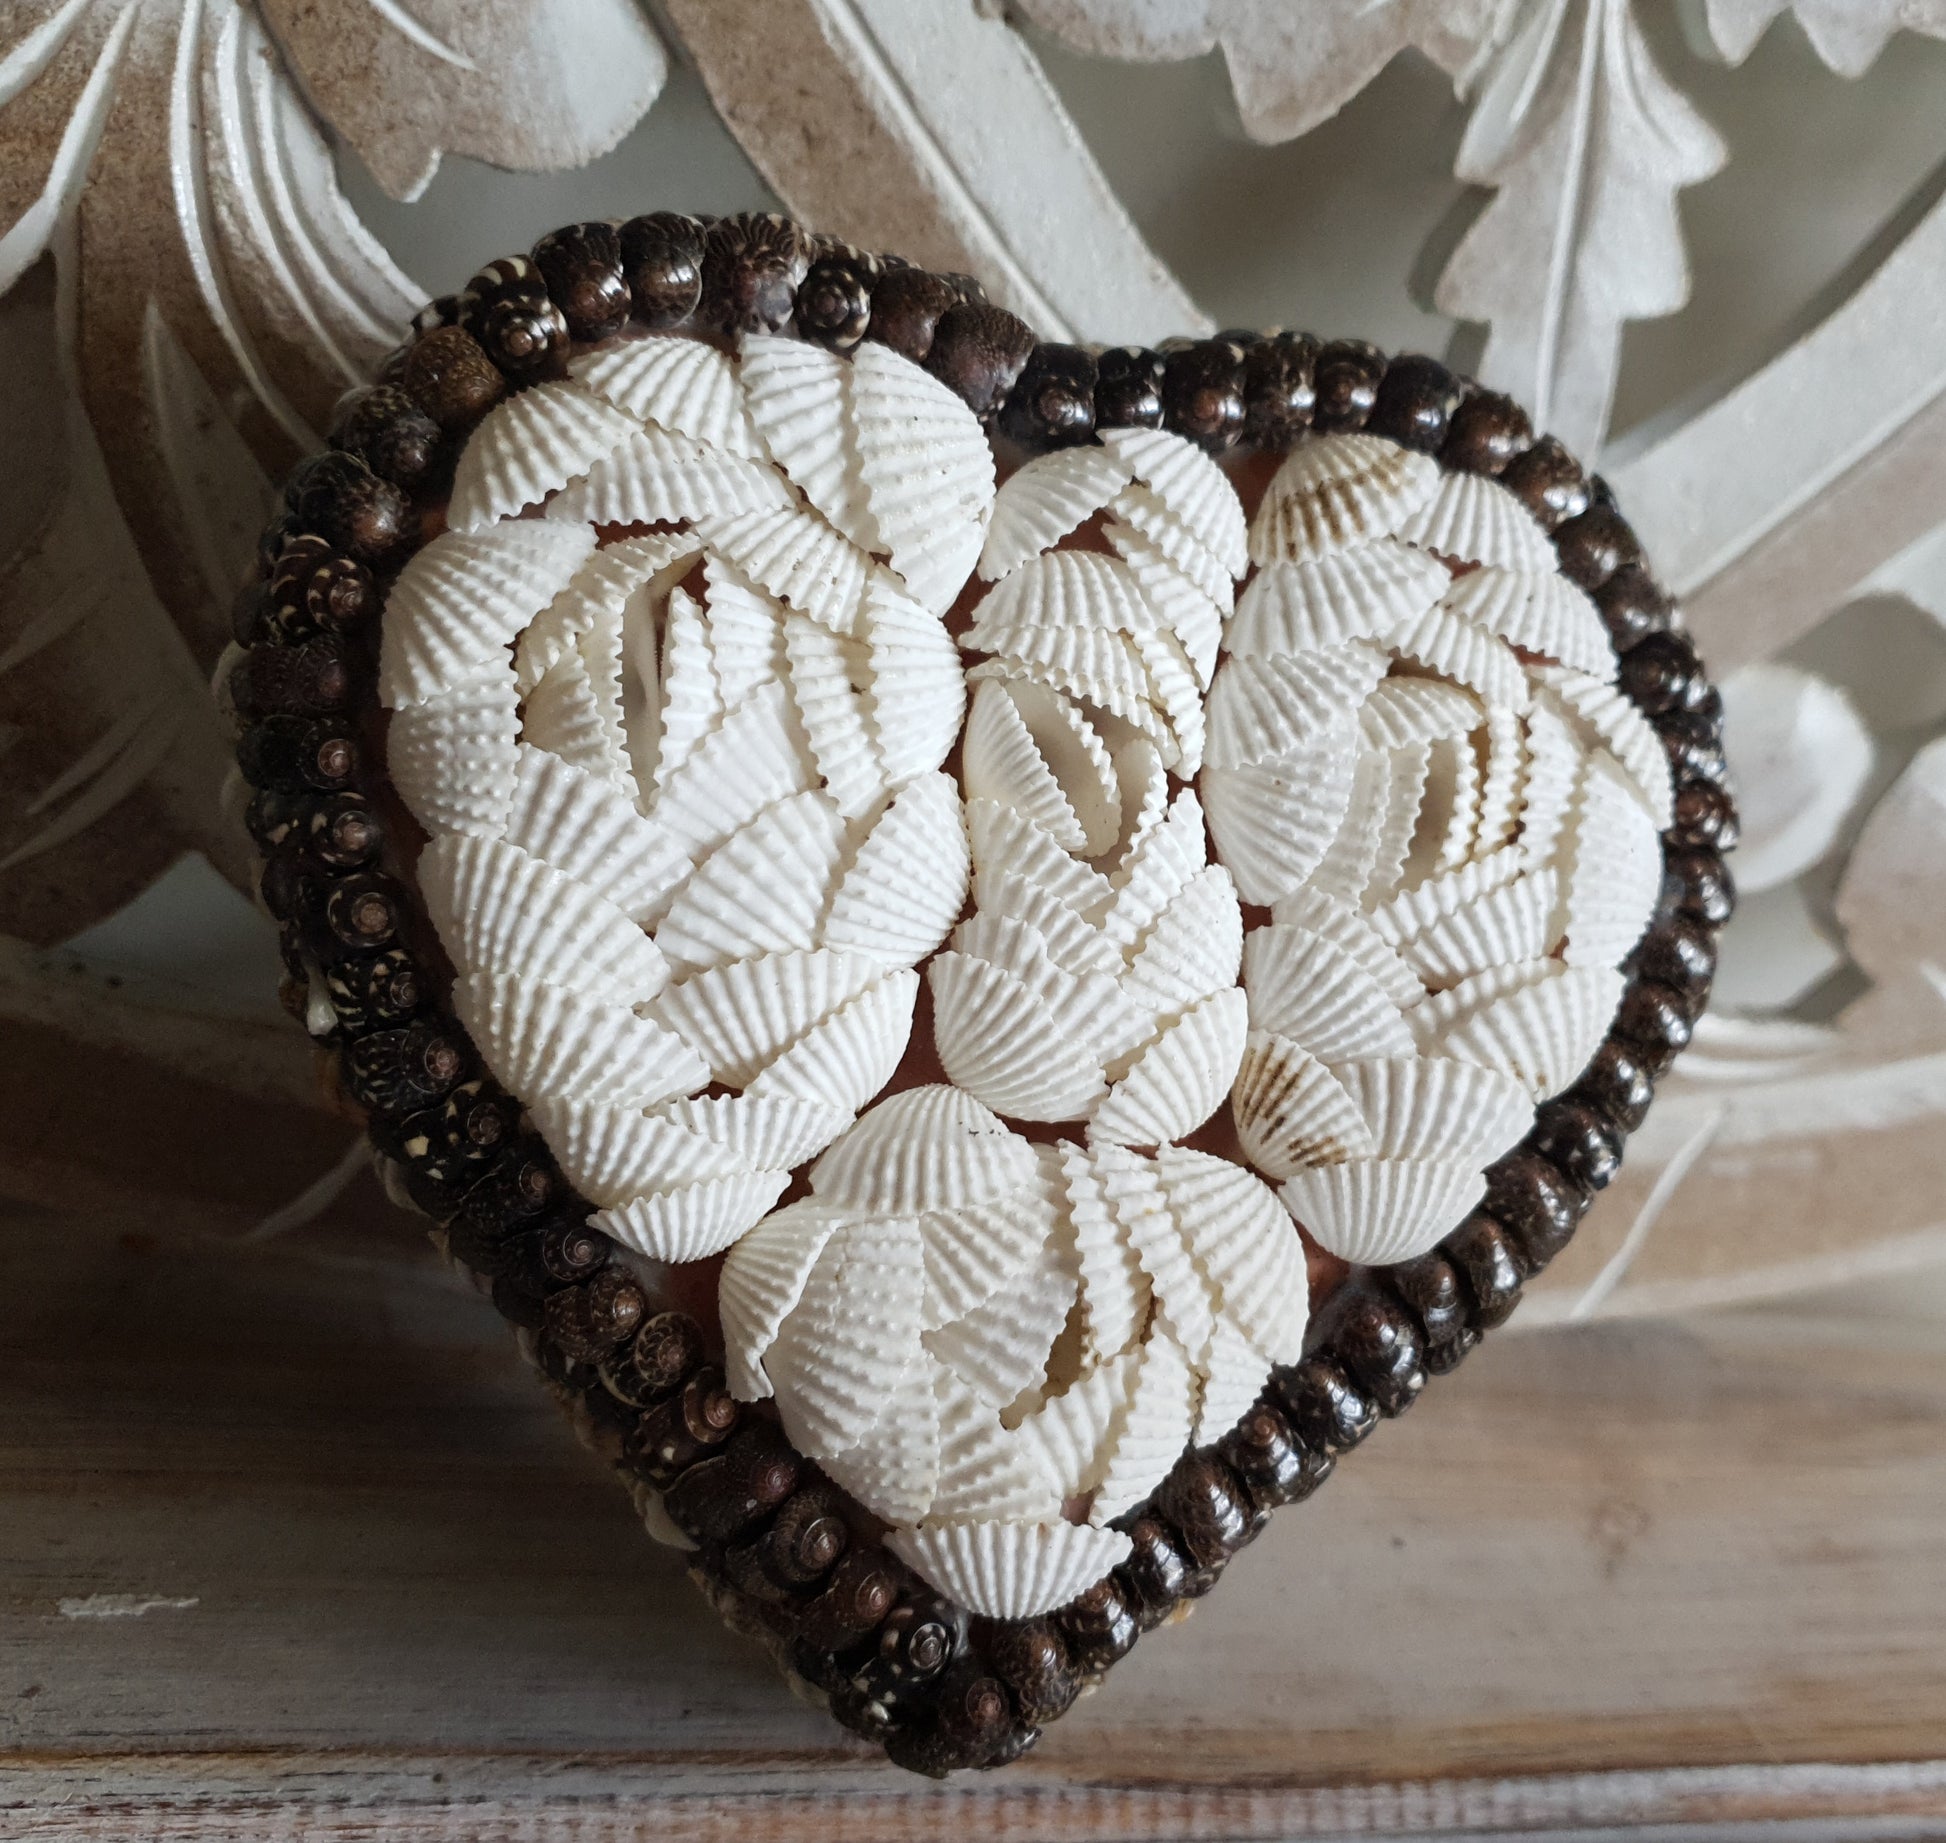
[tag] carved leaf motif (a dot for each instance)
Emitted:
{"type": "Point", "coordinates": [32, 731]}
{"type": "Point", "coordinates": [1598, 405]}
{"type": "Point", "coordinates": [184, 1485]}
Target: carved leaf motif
{"type": "Point", "coordinates": [1292, 66]}
{"type": "Point", "coordinates": [1587, 144]}
{"type": "Point", "coordinates": [216, 294]}
{"type": "Point", "coordinates": [539, 85]}
{"type": "Point", "coordinates": [1847, 34]}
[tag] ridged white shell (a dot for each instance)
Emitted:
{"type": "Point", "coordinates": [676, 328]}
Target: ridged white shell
{"type": "Point", "coordinates": [1233, 1372]}
{"type": "Point", "coordinates": [1369, 592]}
{"type": "Point", "coordinates": [692, 701]}
{"type": "Point", "coordinates": [1006, 844]}
{"type": "Point", "coordinates": [1403, 711]}
{"type": "Point", "coordinates": [603, 586]}
{"type": "Point", "coordinates": [1472, 518]}
{"type": "Point", "coordinates": [1193, 948]}
{"type": "Point", "coordinates": [1067, 1432]}
{"type": "Point", "coordinates": [498, 910]}
{"type": "Point", "coordinates": [764, 890]}
{"type": "Point", "coordinates": [682, 385]}
{"type": "Point", "coordinates": [748, 763]}
{"type": "Point", "coordinates": [1506, 761]}
{"type": "Point", "coordinates": [1185, 1306]}
{"type": "Point", "coordinates": [917, 697]}
{"type": "Point", "coordinates": [927, 469]}
{"type": "Point", "coordinates": [1175, 1084]}
{"type": "Point", "coordinates": [1308, 988]}
{"type": "Point", "coordinates": [1243, 1244]}
{"type": "Point", "coordinates": [1434, 1107]}
{"type": "Point", "coordinates": [1513, 922]}
{"type": "Point", "coordinates": [1158, 868]}
{"type": "Point", "coordinates": [655, 476]}
{"type": "Point", "coordinates": [894, 1467]}
{"type": "Point", "coordinates": [770, 1132]}
{"type": "Point", "coordinates": [1192, 486]}
{"type": "Point", "coordinates": [799, 397]}
{"type": "Point", "coordinates": [695, 1221]}
{"type": "Point", "coordinates": [1265, 710]}
{"type": "Point", "coordinates": [999, 1348]}
{"type": "Point", "coordinates": [907, 881]}
{"type": "Point", "coordinates": [1360, 935]}
{"type": "Point", "coordinates": [1105, 669]}
{"type": "Point", "coordinates": [1542, 1033]}
{"type": "Point", "coordinates": [1273, 823]}
{"type": "Point", "coordinates": [1609, 718]}
{"type": "Point", "coordinates": [1377, 1210]}
{"type": "Point", "coordinates": [1150, 1432]}
{"type": "Point", "coordinates": [1005, 758]}
{"type": "Point", "coordinates": [848, 1058]}
{"type": "Point", "coordinates": [463, 598]}
{"type": "Point", "coordinates": [590, 831]}
{"type": "Point", "coordinates": [1115, 1291]}
{"type": "Point", "coordinates": [1040, 503]}
{"type": "Point", "coordinates": [546, 1039]}
{"type": "Point", "coordinates": [1615, 873]}
{"type": "Point", "coordinates": [1468, 655]}
{"type": "Point", "coordinates": [1336, 491]}
{"type": "Point", "coordinates": [1185, 609]}
{"type": "Point", "coordinates": [1540, 611]}
{"type": "Point", "coordinates": [852, 1335]}
{"type": "Point", "coordinates": [929, 1148]}
{"type": "Point", "coordinates": [1139, 521]}
{"type": "Point", "coordinates": [1010, 1570]}
{"type": "Point", "coordinates": [1444, 1011]}
{"type": "Point", "coordinates": [984, 1472]}
{"type": "Point", "coordinates": [453, 758]}
{"type": "Point", "coordinates": [1292, 1111]}
{"type": "Point", "coordinates": [824, 669]}
{"type": "Point", "coordinates": [614, 1154]}
{"type": "Point", "coordinates": [528, 446]}
{"type": "Point", "coordinates": [975, 1249]}
{"type": "Point", "coordinates": [1092, 1009]}
{"type": "Point", "coordinates": [574, 711]}
{"type": "Point", "coordinates": [762, 1279]}
{"type": "Point", "coordinates": [1064, 588]}
{"type": "Point", "coordinates": [1550, 776]}
{"type": "Point", "coordinates": [746, 632]}
{"type": "Point", "coordinates": [795, 556]}
{"type": "Point", "coordinates": [1000, 1042]}
{"type": "Point", "coordinates": [741, 1016]}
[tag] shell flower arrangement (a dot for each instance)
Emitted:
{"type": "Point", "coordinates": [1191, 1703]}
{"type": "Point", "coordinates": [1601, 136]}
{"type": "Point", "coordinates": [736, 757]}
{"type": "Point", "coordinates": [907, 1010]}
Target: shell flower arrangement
{"type": "Point", "coordinates": [991, 948]}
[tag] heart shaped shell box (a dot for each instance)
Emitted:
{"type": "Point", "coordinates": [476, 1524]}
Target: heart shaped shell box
{"type": "Point", "coordinates": [1010, 935]}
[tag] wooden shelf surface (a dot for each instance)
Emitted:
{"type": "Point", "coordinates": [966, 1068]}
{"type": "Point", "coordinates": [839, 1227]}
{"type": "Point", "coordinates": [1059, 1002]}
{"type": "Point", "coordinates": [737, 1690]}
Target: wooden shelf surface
{"type": "Point", "coordinates": [1689, 1577]}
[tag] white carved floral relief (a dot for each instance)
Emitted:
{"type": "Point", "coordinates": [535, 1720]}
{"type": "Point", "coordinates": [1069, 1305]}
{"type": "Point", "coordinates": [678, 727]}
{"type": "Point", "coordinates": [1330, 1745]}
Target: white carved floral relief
{"type": "Point", "coordinates": [189, 290]}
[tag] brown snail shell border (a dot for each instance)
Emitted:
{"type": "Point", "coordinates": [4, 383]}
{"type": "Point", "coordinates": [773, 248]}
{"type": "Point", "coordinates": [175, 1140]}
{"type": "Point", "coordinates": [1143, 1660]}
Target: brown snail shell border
{"type": "Point", "coordinates": [779, 1554]}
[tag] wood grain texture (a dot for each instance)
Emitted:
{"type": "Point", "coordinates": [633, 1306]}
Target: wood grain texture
{"type": "Point", "coordinates": [1677, 1575]}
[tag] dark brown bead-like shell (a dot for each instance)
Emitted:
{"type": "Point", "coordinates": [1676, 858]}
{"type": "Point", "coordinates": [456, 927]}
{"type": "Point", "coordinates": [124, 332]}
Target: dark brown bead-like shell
{"type": "Point", "coordinates": [662, 263]}
{"type": "Point", "coordinates": [979, 352]}
{"type": "Point", "coordinates": [385, 427]}
{"type": "Point", "coordinates": [1415, 403]}
{"type": "Point", "coordinates": [1346, 378]}
{"type": "Point", "coordinates": [906, 307]}
{"type": "Point", "coordinates": [834, 305]}
{"type": "Point", "coordinates": [752, 265]}
{"type": "Point", "coordinates": [581, 265]}
{"type": "Point", "coordinates": [1052, 403]}
{"type": "Point", "coordinates": [1128, 389]}
{"type": "Point", "coordinates": [336, 497]}
{"type": "Point", "coordinates": [451, 378]}
{"type": "Point", "coordinates": [1487, 432]}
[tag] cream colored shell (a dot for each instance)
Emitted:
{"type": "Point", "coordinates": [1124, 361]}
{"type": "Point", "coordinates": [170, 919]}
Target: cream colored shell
{"type": "Point", "coordinates": [692, 849]}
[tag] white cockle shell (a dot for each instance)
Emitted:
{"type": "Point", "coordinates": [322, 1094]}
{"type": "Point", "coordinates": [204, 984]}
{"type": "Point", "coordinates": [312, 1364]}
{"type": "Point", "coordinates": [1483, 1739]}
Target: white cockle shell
{"type": "Point", "coordinates": [710, 787]}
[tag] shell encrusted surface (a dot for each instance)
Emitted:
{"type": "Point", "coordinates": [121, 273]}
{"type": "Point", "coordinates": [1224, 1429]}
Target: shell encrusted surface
{"type": "Point", "coordinates": [744, 712]}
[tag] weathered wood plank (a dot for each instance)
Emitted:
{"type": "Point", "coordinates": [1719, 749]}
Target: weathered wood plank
{"type": "Point", "coordinates": [1604, 1577]}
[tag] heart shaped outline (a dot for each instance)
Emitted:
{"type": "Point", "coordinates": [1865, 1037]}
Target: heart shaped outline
{"type": "Point", "coordinates": [896, 1661]}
